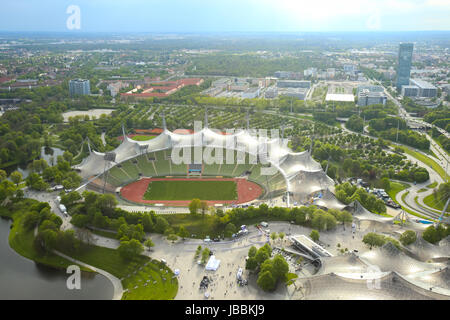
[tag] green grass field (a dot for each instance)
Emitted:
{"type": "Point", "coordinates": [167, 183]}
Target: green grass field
{"type": "Point", "coordinates": [434, 203]}
{"type": "Point", "coordinates": [143, 278]}
{"type": "Point", "coordinates": [188, 190]}
{"type": "Point", "coordinates": [142, 138]}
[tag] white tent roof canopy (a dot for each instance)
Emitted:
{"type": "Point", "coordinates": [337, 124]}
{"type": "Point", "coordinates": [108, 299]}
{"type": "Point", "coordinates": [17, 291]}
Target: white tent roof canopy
{"type": "Point", "coordinates": [303, 175]}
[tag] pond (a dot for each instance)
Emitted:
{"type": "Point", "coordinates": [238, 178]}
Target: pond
{"type": "Point", "coordinates": [21, 278]}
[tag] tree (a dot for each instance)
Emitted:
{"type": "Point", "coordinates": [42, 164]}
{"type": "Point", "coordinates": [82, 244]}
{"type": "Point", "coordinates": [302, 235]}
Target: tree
{"type": "Point", "coordinates": [314, 235]}
{"type": "Point", "coordinates": [70, 198]}
{"type": "Point", "coordinates": [182, 232]}
{"type": "Point", "coordinates": [161, 224]}
{"type": "Point", "coordinates": [374, 240]}
{"type": "Point", "coordinates": [16, 177]}
{"type": "Point", "coordinates": [279, 267]}
{"type": "Point", "coordinates": [345, 216]}
{"type": "Point", "coordinates": [30, 220]}
{"type": "Point", "coordinates": [194, 206]}
{"type": "Point", "coordinates": [266, 281]}
{"type": "Point", "coordinates": [385, 184]}
{"type": "Point", "coordinates": [172, 237]}
{"type": "Point", "coordinates": [251, 264]}
{"type": "Point", "coordinates": [205, 255]}
{"type": "Point", "coordinates": [273, 236]}
{"type": "Point", "coordinates": [252, 251]}
{"type": "Point", "coordinates": [408, 237]}
{"type": "Point", "coordinates": [128, 250]}
{"type": "Point", "coordinates": [149, 243]}
{"type": "Point", "coordinates": [281, 235]}
{"type": "Point", "coordinates": [261, 256]}
{"type": "Point", "coordinates": [68, 157]}
{"type": "Point", "coordinates": [204, 207]}
{"type": "Point", "coordinates": [431, 235]}
{"type": "Point", "coordinates": [230, 229]}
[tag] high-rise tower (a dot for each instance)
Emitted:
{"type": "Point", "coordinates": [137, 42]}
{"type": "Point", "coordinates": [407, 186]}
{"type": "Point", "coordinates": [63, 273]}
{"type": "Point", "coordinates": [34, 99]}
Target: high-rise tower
{"type": "Point", "coordinates": [404, 64]}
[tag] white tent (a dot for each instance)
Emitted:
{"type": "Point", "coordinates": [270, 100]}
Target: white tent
{"type": "Point", "coordinates": [213, 264]}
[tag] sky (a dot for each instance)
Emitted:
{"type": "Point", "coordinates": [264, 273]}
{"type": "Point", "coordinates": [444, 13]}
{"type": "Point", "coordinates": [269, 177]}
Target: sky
{"type": "Point", "coordinates": [224, 15]}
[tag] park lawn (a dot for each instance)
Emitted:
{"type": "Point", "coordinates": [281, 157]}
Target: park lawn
{"type": "Point", "coordinates": [429, 162]}
{"type": "Point", "coordinates": [22, 240]}
{"type": "Point", "coordinates": [198, 225]}
{"type": "Point", "coordinates": [396, 187]}
{"type": "Point", "coordinates": [133, 274]}
{"type": "Point", "coordinates": [188, 190]}
{"type": "Point", "coordinates": [143, 138]}
{"type": "Point", "coordinates": [434, 203]}
{"type": "Point", "coordinates": [104, 233]}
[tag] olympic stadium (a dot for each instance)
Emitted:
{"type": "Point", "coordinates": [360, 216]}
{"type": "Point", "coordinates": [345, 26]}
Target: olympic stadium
{"type": "Point", "coordinates": [263, 169]}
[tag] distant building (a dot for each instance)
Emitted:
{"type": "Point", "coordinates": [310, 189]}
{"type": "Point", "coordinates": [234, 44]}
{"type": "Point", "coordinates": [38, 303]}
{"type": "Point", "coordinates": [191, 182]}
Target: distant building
{"type": "Point", "coordinates": [370, 88]}
{"type": "Point", "coordinates": [239, 86]}
{"type": "Point", "coordinates": [410, 91]}
{"type": "Point", "coordinates": [310, 72]}
{"type": "Point", "coordinates": [299, 93]}
{"type": "Point", "coordinates": [426, 89]}
{"type": "Point", "coordinates": [288, 75]}
{"type": "Point", "coordinates": [405, 53]}
{"type": "Point", "coordinates": [293, 84]}
{"type": "Point", "coordinates": [79, 87]}
{"type": "Point", "coordinates": [367, 98]}
{"type": "Point", "coordinates": [251, 93]}
{"type": "Point", "coordinates": [271, 93]}
{"type": "Point", "coordinates": [368, 95]}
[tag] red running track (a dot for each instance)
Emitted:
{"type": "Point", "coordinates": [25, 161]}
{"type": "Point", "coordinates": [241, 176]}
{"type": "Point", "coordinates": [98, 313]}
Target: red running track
{"type": "Point", "coordinates": [246, 190]}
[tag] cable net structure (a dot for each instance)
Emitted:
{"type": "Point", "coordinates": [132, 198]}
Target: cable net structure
{"type": "Point", "coordinates": [267, 161]}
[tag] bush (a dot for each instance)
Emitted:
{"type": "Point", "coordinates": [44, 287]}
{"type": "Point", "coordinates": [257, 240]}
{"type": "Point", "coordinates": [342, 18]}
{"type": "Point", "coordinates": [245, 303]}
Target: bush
{"type": "Point", "coordinates": [408, 237]}
{"type": "Point", "coordinates": [374, 240]}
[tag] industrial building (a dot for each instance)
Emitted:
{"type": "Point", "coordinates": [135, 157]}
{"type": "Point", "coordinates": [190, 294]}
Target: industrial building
{"type": "Point", "coordinates": [79, 87]}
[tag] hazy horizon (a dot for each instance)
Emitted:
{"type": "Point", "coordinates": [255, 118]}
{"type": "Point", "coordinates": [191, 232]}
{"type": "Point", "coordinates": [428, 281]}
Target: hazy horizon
{"type": "Point", "coordinates": [245, 16]}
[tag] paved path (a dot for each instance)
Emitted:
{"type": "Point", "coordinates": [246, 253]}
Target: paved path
{"type": "Point", "coordinates": [117, 284]}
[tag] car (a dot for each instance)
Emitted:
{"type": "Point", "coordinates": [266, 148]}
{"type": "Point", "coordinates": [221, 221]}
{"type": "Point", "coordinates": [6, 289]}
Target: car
{"type": "Point", "coordinates": [207, 240]}
{"type": "Point", "coordinates": [216, 240]}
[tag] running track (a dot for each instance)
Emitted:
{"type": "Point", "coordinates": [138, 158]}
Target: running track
{"type": "Point", "coordinates": [246, 190]}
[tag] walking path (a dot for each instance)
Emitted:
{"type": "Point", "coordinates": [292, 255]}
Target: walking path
{"type": "Point", "coordinates": [117, 284]}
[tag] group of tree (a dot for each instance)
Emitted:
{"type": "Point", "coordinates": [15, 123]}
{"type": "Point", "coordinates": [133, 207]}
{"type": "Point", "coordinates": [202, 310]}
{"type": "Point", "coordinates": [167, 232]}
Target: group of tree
{"type": "Point", "coordinates": [434, 234]}
{"type": "Point", "coordinates": [373, 239]}
{"type": "Point", "coordinates": [49, 236]}
{"type": "Point", "coordinates": [42, 175]}
{"type": "Point", "coordinates": [347, 193]}
{"type": "Point", "coordinates": [270, 271]}
{"type": "Point", "coordinates": [9, 187]}
{"type": "Point", "coordinates": [440, 117]}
